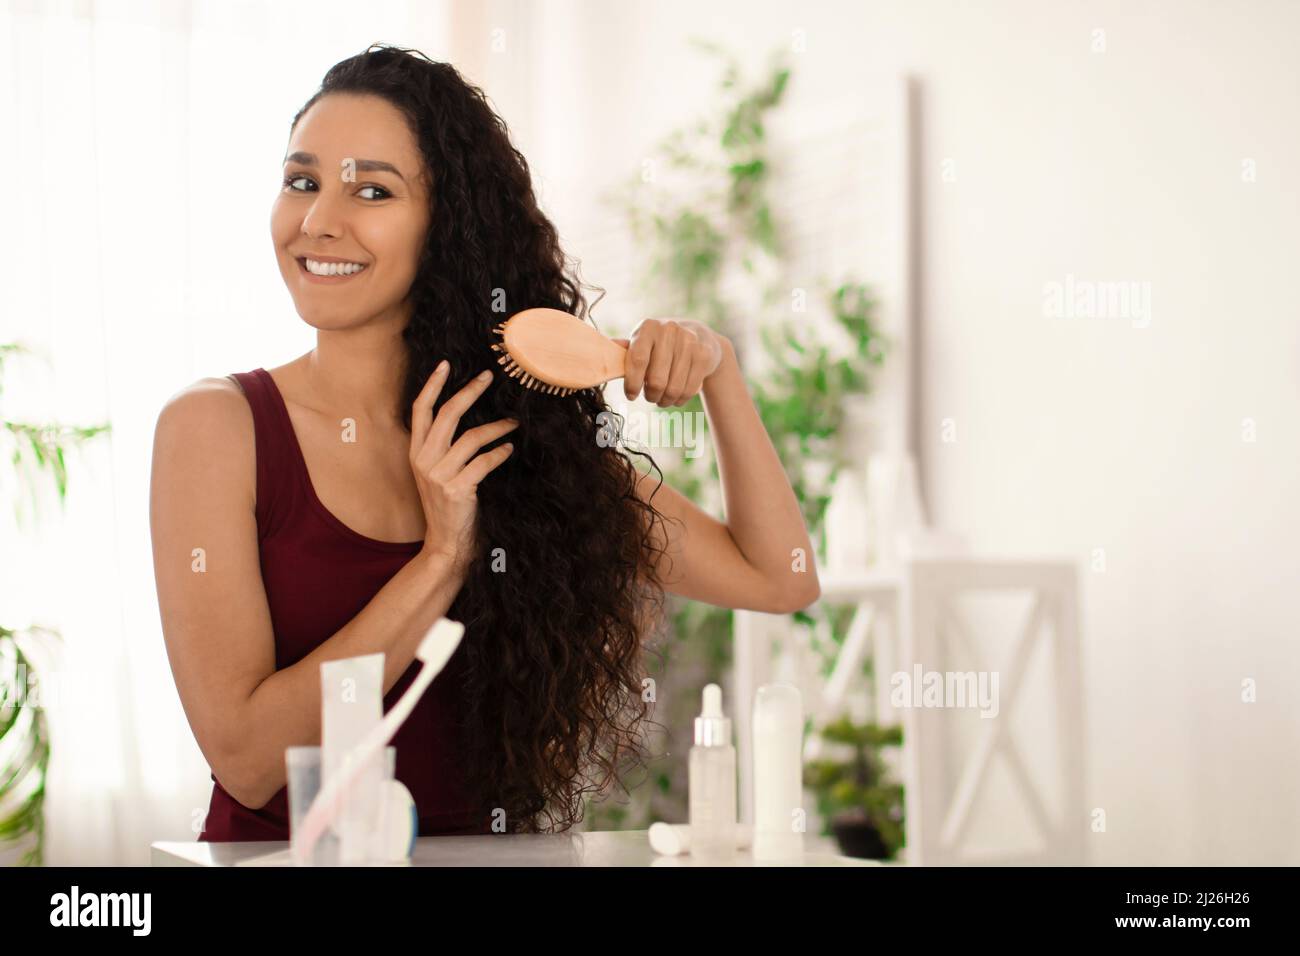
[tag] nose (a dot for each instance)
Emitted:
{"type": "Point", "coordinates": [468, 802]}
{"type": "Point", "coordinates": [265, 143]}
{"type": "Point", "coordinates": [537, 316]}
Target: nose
{"type": "Point", "coordinates": [324, 219]}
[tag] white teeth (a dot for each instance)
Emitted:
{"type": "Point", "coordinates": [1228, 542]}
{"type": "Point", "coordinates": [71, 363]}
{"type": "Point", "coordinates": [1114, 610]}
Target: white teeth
{"type": "Point", "coordinates": [333, 268]}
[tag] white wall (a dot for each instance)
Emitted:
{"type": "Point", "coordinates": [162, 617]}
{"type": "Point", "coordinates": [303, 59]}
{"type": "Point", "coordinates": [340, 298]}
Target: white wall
{"type": "Point", "coordinates": [1071, 434]}
{"type": "Point", "coordinates": [1079, 434]}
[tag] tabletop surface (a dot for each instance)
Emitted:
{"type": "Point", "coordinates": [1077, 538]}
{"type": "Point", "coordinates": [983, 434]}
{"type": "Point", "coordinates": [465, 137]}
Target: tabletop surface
{"type": "Point", "coordinates": [603, 848]}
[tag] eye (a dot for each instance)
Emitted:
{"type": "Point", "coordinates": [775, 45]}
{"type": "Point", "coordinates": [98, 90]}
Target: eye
{"type": "Point", "coordinates": [288, 184]}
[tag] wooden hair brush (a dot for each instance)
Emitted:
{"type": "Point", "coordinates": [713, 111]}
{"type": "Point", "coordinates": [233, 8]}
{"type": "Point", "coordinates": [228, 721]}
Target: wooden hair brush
{"type": "Point", "coordinates": [557, 353]}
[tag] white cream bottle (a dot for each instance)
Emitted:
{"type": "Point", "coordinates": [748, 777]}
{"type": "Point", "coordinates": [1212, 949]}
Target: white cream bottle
{"type": "Point", "coordinates": [712, 783]}
{"type": "Point", "coordinates": [778, 772]}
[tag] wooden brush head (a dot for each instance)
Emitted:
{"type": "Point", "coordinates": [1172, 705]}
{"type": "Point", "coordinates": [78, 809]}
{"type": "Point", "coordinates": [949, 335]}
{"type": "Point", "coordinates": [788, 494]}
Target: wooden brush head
{"type": "Point", "coordinates": [557, 353]}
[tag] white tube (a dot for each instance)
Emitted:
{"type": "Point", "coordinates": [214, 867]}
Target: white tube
{"type": "Point", "coordinates": [674, 839]}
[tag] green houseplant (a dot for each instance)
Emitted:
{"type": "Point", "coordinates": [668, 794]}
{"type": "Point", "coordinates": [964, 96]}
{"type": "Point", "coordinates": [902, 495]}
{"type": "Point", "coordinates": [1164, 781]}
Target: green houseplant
{"type": "Point", "coordinates": [858, 803]}
{"type": "Point", "coordinates": [38, 451]}
{"type": "Point", "coordinates": [715, 215]}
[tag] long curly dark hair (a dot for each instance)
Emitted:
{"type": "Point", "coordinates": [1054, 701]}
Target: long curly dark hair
{"type": "Point", "coordinates": [556, 618]}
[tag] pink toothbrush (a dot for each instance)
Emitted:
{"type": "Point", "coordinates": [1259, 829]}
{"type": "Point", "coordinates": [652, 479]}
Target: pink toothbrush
{"type": "Point", "coordinates": [434, 651]}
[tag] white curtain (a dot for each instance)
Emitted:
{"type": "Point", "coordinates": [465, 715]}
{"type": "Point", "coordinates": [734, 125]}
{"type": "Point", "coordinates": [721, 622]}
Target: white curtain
{"type": "Point", "coordinates": [142, 145]}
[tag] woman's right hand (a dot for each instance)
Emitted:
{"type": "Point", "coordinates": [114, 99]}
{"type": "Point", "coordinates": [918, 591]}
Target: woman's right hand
{"type": "Point", "coordinates": [448, 474]}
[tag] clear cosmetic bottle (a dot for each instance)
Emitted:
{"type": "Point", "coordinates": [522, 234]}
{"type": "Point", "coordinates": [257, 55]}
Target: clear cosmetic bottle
{"type": "Point", "coordinates": [713, 783]}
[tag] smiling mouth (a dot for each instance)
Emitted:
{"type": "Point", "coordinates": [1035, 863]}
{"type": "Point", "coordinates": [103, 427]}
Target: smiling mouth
{"type": "Point", "coordinates": [333, 271]}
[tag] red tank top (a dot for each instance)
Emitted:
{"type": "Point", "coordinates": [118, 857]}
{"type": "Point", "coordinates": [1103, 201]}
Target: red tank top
{"type": "Point", "coordinates": [318, 574]}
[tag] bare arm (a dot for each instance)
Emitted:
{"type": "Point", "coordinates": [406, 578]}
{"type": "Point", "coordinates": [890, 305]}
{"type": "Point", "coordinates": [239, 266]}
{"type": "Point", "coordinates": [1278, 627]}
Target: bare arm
{"type": "Point", "coordinates": [761, 558]}
{"type": "Point", "coordinates": [216, 622]}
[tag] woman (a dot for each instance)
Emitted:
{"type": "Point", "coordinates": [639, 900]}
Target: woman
{"type": "Point", "coordinates": [342, 503]}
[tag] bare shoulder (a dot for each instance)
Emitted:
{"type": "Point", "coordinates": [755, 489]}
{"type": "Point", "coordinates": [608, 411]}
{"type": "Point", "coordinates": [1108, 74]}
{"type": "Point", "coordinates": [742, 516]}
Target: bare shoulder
{"type": "Point", "coordinates": [207, 425]}
{"type": "Point", "coordinates": [217, 406]}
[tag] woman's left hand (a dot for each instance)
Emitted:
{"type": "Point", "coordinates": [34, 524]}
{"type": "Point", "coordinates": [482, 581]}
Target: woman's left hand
{"type": "Point", "coordinates": [670, 358]}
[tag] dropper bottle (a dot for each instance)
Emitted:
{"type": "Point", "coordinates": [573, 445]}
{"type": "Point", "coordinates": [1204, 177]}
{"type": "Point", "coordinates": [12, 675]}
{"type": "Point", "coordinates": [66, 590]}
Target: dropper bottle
{"type": "Point", "coordinates": [713, 782]}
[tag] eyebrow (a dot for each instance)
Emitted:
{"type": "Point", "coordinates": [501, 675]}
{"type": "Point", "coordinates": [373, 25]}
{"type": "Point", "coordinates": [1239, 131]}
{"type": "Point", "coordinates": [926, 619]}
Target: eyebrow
{"type": "Point", "coordinates": [363, 165]}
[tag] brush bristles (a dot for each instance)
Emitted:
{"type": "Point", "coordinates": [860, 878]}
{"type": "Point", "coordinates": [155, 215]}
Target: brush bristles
{"type": "Point", "coordinates": [516, 372]}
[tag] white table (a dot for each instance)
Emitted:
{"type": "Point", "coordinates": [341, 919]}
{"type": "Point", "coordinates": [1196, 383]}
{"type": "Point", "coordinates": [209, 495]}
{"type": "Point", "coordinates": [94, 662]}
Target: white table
{"type": "Point", "coordinates": [605, 848]}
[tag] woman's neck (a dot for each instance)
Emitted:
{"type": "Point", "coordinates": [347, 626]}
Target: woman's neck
{"type": "Point", "coordinates": [357, 373]}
